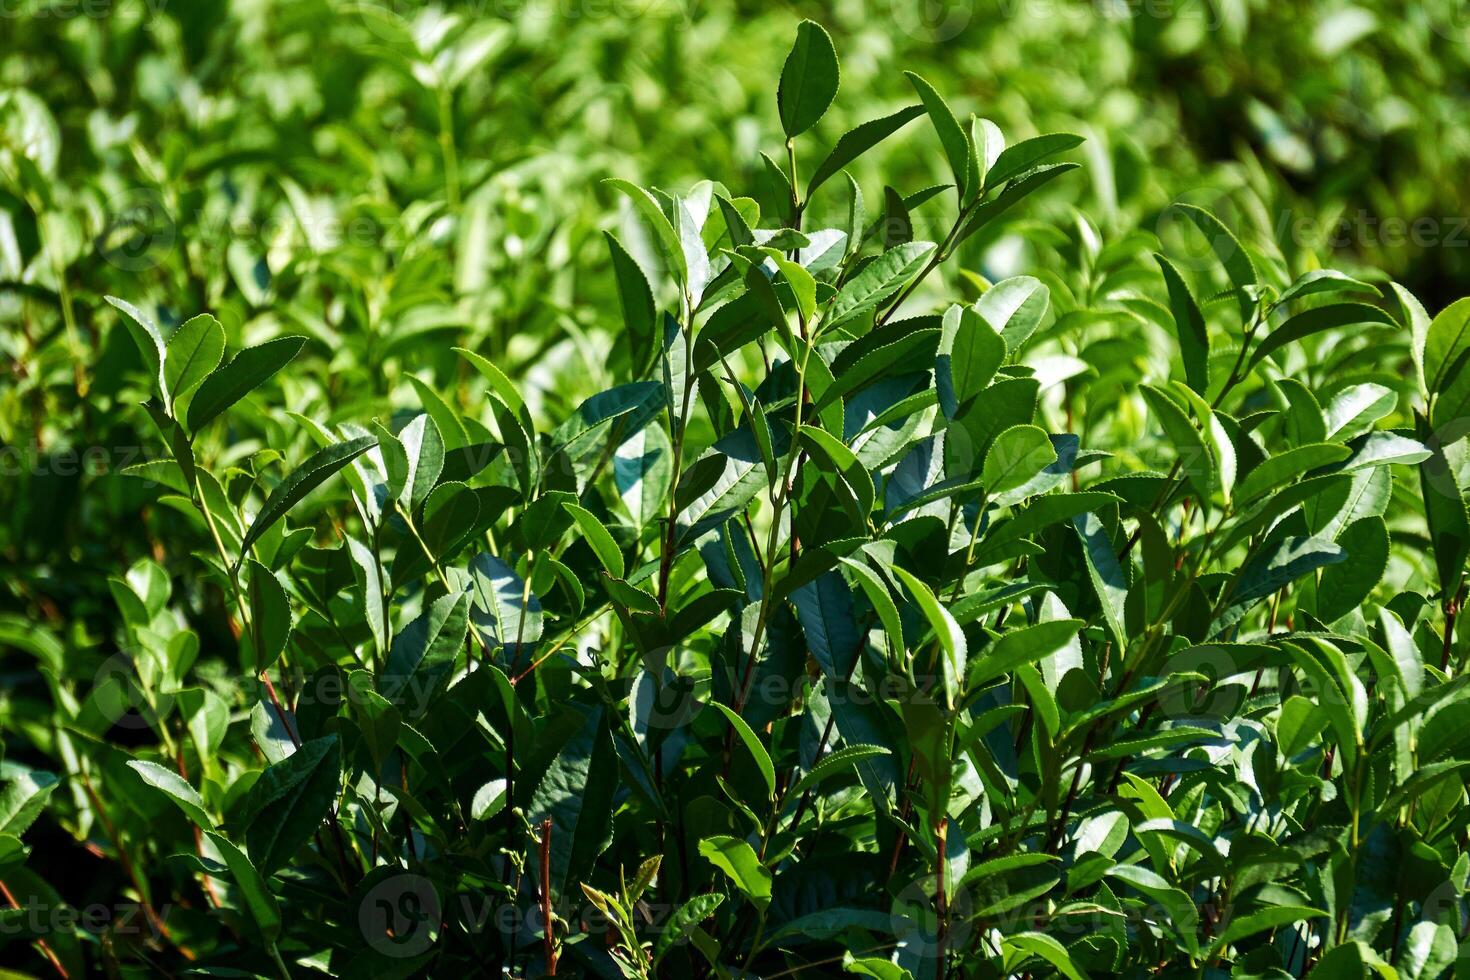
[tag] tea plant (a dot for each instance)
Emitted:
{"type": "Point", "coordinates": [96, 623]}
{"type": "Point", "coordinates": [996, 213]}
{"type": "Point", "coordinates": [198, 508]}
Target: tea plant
{"type": "Point", "coordinates": [880, 619]}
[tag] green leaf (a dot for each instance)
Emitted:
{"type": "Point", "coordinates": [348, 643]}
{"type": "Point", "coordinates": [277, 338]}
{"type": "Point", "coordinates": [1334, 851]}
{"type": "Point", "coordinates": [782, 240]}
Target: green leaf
{"type": "Point", "coordinates": [1180, 915]}
{"type": "Point", "coordinates": [23, 798]}
{"type": "Point", "coordinates": [855, 142]}
{"type": "Point", "coordinates": [245, 372]}
{"type": "Point", "coordinates": [451, 429]}
{"type": "Point", "coordinates": [647, 206]}
{"type": "Point", "coordinates": [1027, 645]}
{"type": "Point", "coordinates": [1244, 926]}
{"type": "Point", "coordinates": [304, 479]}
{"type": "Point", "coordinates": [505, 610]}
{"type": "Point", "coordinates": [970, 352]}
{"type": "Point", "coordinates": [872, 966]}
{"type": "Point", "coordinates": [270, 615]}
{"type": "Point", "coordinates": [879, 280]}
{"type": "Point", "coordinates": [1417, 320]}
{"type": "Point", "coordinates": [1336, 316]}
{"type": "Point", "coordinates": [148, 338]}
{"type": "Point", "coordinates": [1346, 585]}
{"type": "Point", "coordinates": [1196, 463]}
{"type": "Point", "coordinates": [1106, 574]}
{"type": "Point", "coordinates": [1282, 563]}
{"type": "Point", "coordinates": [598, 539]}
{"type": "Point", "coordinates": [880, 599]}
{"type": "Point", "coordinates": [803, 285]}
{"type": "Point", "coordinates": [946, 630]}
{"type": "Point", "coordinates": [193, 352]}
{"type": "Point", "coordinates": [1407, 665]}
{"type": "Point", "coordinates": [738, 861]}
{"type": "Point", "coordinates": [1016, 190]}
{"type": "Point", "coordinates": [753, 745]}
{"type": "Point", "coordinates": [489, 800]}
{"type": "Point", "coordinates": [576, 795]}
{"type": "Point", "coordinates": [1448, 520]}
{"type": "Point", "coordinates": [825, 610]}
{"type": "Point", "coordinates": [1445, 342]}
{"type": "Point", "coordinates": [13, 853]}
{"type": "Point", "coordinates": [685, 920]}
{"type": "Point", "coordinates": [877, 356]}
{"type": "Point", "coordinates": [1037, 516]}
{"type": "Point", "coordinates": [1275, 472]}
{"type": "Point", "coordinates": [1300, 722]}
{"type": "Point", "coordinates": [379, 720]}
{"type": "Point", "coordinates": [1325, 281]}
{"type": "Point", "coordinates": [1044, 946]}
{"type": "Point", "coordinates": [1014, 308]}
{"type": "Point", "coordinates": [259, 901]}
{"type": "Point", "coordinates": [423, 449]}
{"type": "Point", "coordinates": [735, 223]}
{"type": "Point", "coordinates": [842, 460]}
{"type": "Point", "coordinates": [1450, 413]}
{"type": "Point", "coordinates": [1429, 951]}
{"type": "Point", "coordinates": [176, 788]}
{"type": "Point", "coordinates": [1023, 156]}
{"type": "Point", "coordinates": [369, 578]}
{"type": "Point", "coordinates": [1343, 962]}
{"type": "Point", "coordinates": [289, 801]}
{"type": "Point", "coordinates": [643, 467]}
{"type": "Point", "coordinates": [1227, 248]}
{"type": "Point", "coordinates": [740, 477]}
{"type": "Point", "coordinates": [640, 316]}
{"type": "Point", "coordinates": [840, 761]}
{"type": "Point", "coordinates": [1016, 455]}
{"type": "Point", "coordinates": [809, 79]}
{"type": "Point", "coordinates": [956, 144]}
{"type": "Point", "coordinates": [424, 654]}
{"type": "Point", "coordinates": [503, 387]}
{"type": "Point", "coordinates": [1189, 327]}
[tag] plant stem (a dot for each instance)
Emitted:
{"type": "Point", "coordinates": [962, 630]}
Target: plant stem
{"type": "Point", "coordinates": [941, 252]}
{"type": "Point", "coordinates": [280, 963]}
{"type": "Point", "coordinates": [548, 933]}
{"type": "Point", "coordinates": [46, 950]}
{"type": "Point", "coordinates": [941, 899]}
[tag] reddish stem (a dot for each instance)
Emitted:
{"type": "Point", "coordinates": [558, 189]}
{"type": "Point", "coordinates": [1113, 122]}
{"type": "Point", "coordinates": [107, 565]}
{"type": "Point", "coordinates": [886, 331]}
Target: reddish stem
{"type": "Point", "coordinates": [547, 934]}
{"type": "Point", "coordinates": [40, 943]}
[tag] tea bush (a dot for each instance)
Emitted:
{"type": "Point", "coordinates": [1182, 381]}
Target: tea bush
{"type": "Point", "coordinates": [732, 582]}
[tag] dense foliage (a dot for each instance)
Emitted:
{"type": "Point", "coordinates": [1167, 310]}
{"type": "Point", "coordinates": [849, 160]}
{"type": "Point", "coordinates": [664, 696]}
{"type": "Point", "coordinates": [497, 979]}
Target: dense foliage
{"type": "Point", "coordinates": [919, 545]}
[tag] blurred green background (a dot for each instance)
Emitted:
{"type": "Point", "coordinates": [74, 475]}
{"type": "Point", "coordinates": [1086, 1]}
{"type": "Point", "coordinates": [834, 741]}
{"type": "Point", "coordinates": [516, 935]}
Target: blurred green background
{"type": "Point", "coordinates": [371, 175]}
